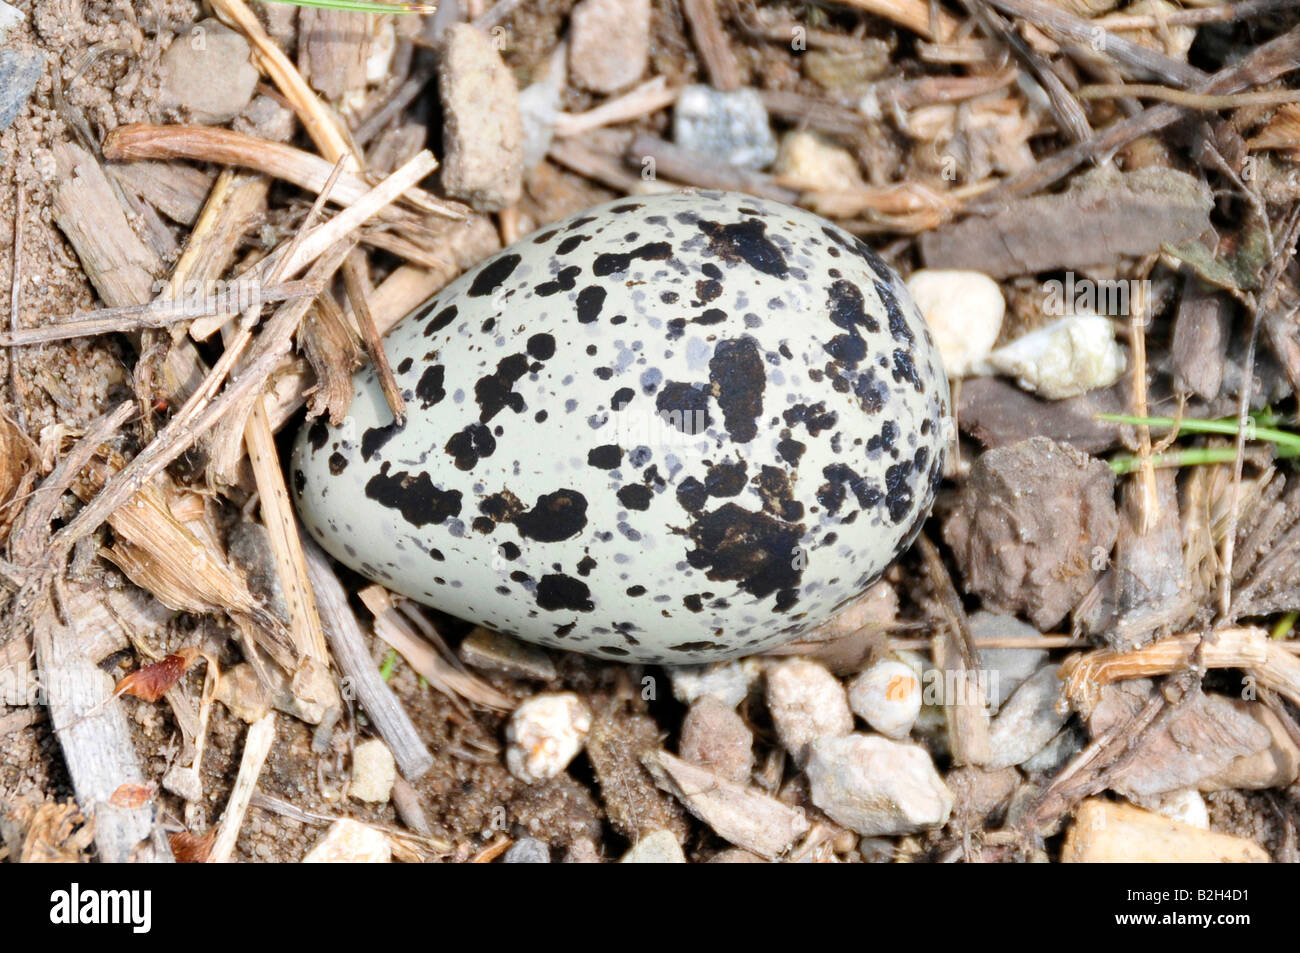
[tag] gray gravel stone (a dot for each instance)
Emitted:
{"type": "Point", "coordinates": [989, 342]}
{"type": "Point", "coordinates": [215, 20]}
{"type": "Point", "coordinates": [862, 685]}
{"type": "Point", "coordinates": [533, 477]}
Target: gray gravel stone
{"type": "Point", "coordinates": [1028, 720]}
{"type": "Point", "coordinates": [1012, 666]}
{"type": "Point", "coordinates": [1056, 753]}
{"type": "Point", "coordinates": [527, 850]}
{"type": "Point", "coordinates": [872, 785]}
{"type": "Point", "coordinates": [20, 71]}
{"type": "Point", "coordinates": [730, 127]}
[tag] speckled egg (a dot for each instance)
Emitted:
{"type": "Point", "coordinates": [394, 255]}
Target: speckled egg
{"type": "Point", "coordinates": [671, 429]}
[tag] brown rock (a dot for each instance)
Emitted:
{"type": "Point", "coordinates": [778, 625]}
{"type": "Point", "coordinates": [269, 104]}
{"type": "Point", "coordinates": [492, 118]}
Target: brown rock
{"type": "Point", "coordinates": [1146, 590]}
{"type": "Point", "coordinates": [1277, 766]}
{"type": "Point", "coordinates": [208, 74]}
{"type": "Point", "coordinates": [1034, 527]}
{"type": "Point", "coordinates": [1202, 737]}
{"type": "Point", "coordinates": [1200, 342]}
{"type": "Point", "coordinates": [482, 133]}
{"type": "Point", "coordinates": [715, 737]}
{"type": "Point", "coordinates": [609, 46]}
{"type": "Point", "coordinates": [1104, 214]}
{"type": "Point", "coordinates": [998, 414]}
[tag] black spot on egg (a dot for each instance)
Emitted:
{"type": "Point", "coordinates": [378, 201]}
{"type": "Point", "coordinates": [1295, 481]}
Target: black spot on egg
{"type": "Point", "coordinates": [430, 389]}
{"type": "Point", "coordinates": [685, 407]}
{"type": "Point", "coordinates": [564, 281]}
{"type": "Point", "coordinates": [556, 591]}
{"type": "Point", "coordinates": [590, 300]}
{"type": "Point", "coordinates": [745, 242]}
{"type": "Point", "coordinates": [635, 496]}
{"type": "Point", "coordinates": [470, 445]}
{"type": "Point", "coordinates": [738, 377]}
{"type": "Point", "coordinates": [605, 457]}
{"type": "Point", "coordinates": [414, 496]}
{"type": "Point", "coordinates": [493, 275]}
{"type": "Point", "coordinates": [614, 263]}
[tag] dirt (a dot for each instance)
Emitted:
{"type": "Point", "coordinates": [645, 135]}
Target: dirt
{"type": "Point", "coordinates": [103, 73]}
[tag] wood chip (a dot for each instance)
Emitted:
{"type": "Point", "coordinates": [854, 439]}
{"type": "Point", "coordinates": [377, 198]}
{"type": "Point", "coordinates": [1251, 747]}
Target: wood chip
{"type": "Point", "coordinates": [1102, 216]}
{"type": "Point", "coordinates": [362, 677]}
{"type": "Point", "coordinates": [95, 738]}
{"type": "Point", "coordinates": [1109, 832]}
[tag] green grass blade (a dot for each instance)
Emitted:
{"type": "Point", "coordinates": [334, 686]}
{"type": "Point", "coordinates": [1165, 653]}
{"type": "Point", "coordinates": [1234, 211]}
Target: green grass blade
{"type": "Point", "coordinates": [1195, 456]}
{"type": "Point", "coordinates": [1282, 438]}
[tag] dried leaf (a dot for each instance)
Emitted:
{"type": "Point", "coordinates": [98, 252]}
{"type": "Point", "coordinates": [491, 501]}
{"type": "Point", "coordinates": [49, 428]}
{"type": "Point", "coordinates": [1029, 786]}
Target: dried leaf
{"type": "Point", "coordinates": [192, 848]}
{"type": "Point", "coordinates": [1280, 132]}
{"type": "Point", "coordinates": [179, 559]}
{"type": "Point", "coordinates": [131, 796]}
{"type": "Point", "coordinates": [152, 681]}
{"type": "Point", "coordinates": [56, 834]}
{"type": "Point", "coordinates": [17, 471]}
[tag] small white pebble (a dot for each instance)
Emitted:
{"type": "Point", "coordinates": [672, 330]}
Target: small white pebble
{"type": "Point", "coordinates": [887, 697]}
{"type": "Point", "coordinates": [1186, 805]}
{"type": "Point", "coordinates": [383, 43]}
{"type": "Point", "coordinates": [527, 850]}
{"type": "Point", "coordinates": [806, 701]}
{"type": "Point", "coordinates": [661, 847]}
{"type": "Point", "coordinates": [1027, 721]}
{"type": "Point", "coordinates": [964, 311]}
{"type": "Point", "coordinates": [544, 734]}
{"type": "Point", "coordinates": [373, 772]}
{"type": "Point", "coordinates": [809, 161]}
{"type": "Point", "coordinates": [726, 681]}
{"type": "Point", "coordinates": [1064, 359]}
{"type": "Point", "coordinates": [350, 842]}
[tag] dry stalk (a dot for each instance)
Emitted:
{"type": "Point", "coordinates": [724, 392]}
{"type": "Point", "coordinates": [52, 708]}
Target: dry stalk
{"type": "Point", "coordinates": [362, 676]}
{"type": "Point", "coordinates": [257, 745]}
{"type": "Point", "coordinates": [644, 100]}
{"type": "Point", "coordinates": [222, 146]}
{"type": "Point", "coordinates": [15, 300]}
{"type": "Point", "coordinates": [160, 313]}
{"type": "Point", "coordinates": [398, 631]}
{"type": "Point", "coordinates": [321, 126]}
{"type": "Point", "coordinates": [711, 42]}
{"type": "Point", "coordinates": [1269, 661]}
